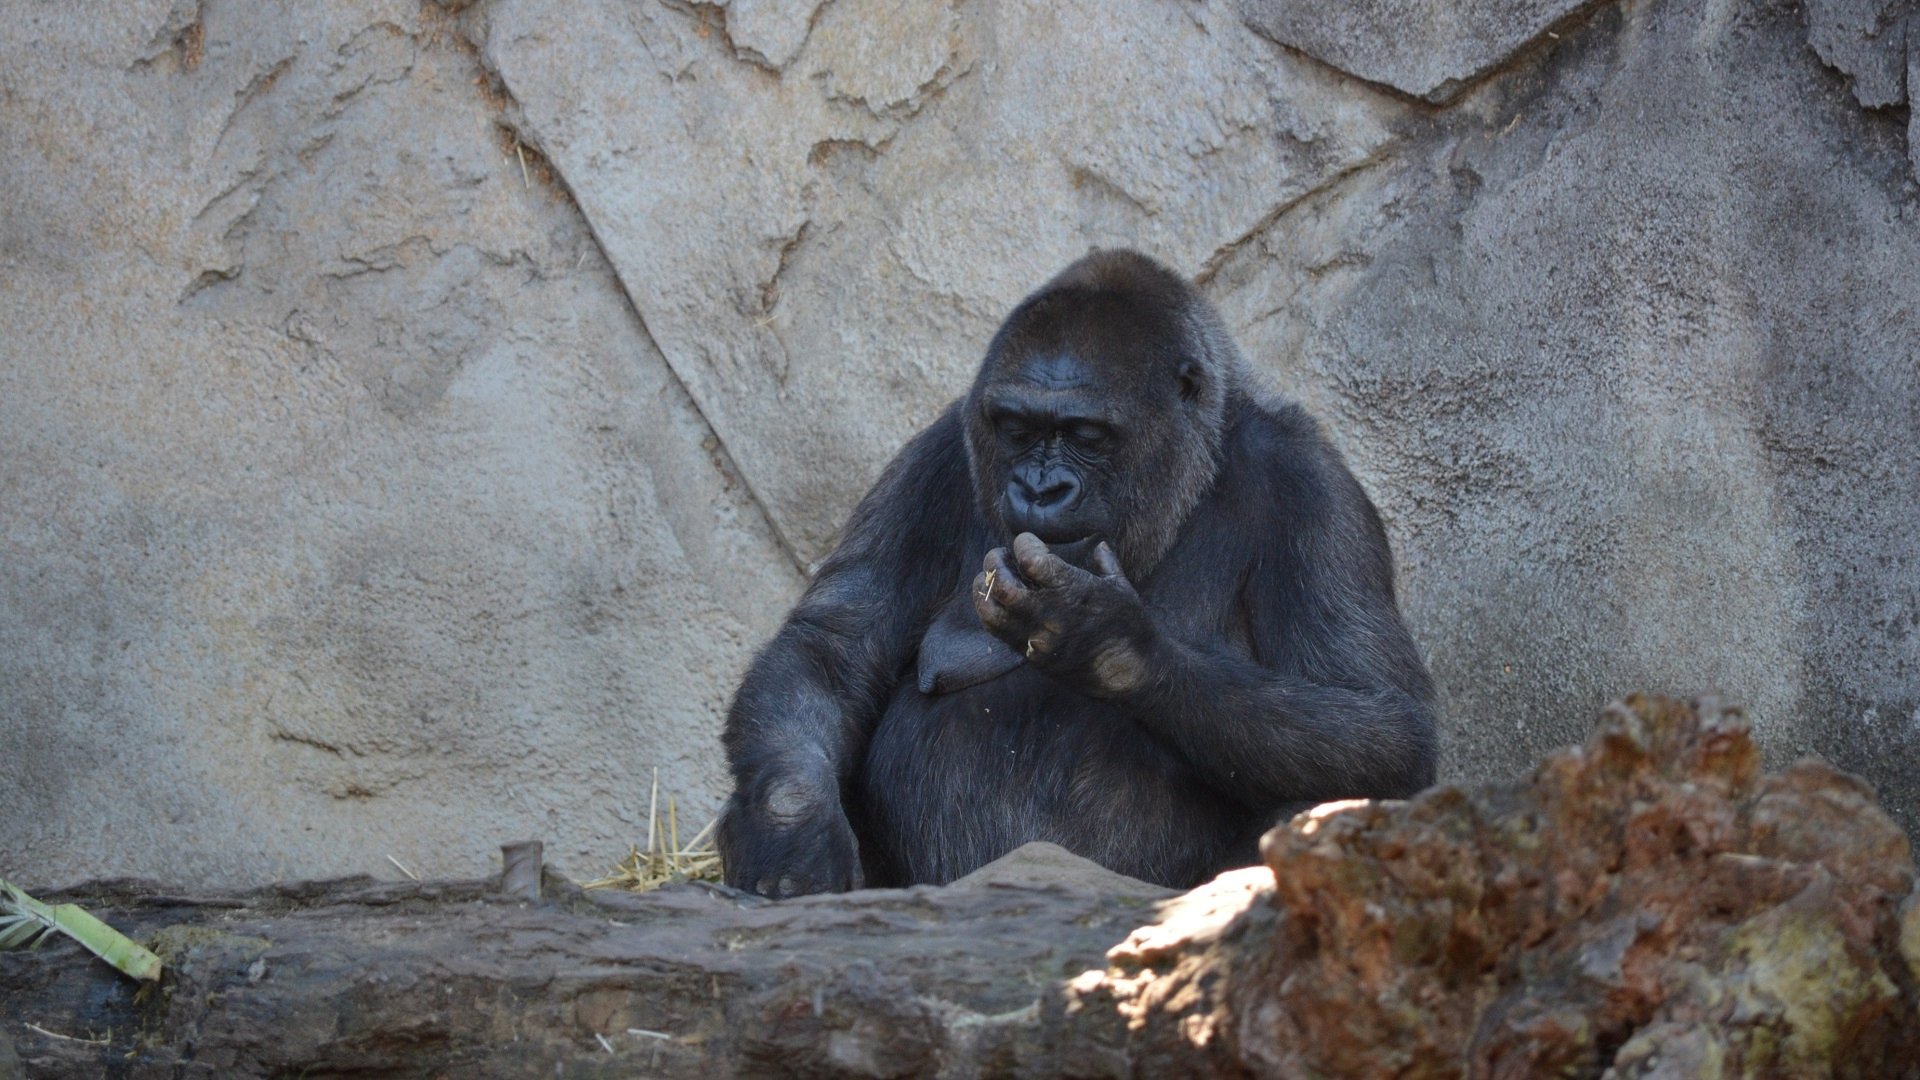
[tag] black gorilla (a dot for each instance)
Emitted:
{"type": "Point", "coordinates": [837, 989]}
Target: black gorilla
{"type": "Point", "coordinates": [1110, 599]}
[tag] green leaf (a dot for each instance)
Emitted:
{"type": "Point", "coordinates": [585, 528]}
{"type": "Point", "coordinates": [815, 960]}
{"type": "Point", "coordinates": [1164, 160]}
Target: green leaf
{"type": "Point", "coordinates": [16, 932]}
{"type": "Point", "coordinates": [24, 919]}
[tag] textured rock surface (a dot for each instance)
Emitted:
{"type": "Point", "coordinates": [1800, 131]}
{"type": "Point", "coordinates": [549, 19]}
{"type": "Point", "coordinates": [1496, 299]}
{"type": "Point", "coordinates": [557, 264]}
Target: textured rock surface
{"type": "Point", "coordinates": [1876, 44]}
{"type": "Point", "coordinates": [411, 416]}
{"type": "Point", "coordinates": [1869, 40]}
{"type": "Point", "coordinates": [823, 250]}
{"type": "Point", "coordinates": [1645, 905]}
{"type": "Point", "coordinates": [1428, 50]}
{"type": "Point", "coordinates": [1636, 380]}
{"type": "Point", "coordinates": [348, 509]}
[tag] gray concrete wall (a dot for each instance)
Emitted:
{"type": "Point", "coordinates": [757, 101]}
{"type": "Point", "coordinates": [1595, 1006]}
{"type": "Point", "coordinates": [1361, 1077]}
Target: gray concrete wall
{"type": "Point", "coordinates": [412, 416]}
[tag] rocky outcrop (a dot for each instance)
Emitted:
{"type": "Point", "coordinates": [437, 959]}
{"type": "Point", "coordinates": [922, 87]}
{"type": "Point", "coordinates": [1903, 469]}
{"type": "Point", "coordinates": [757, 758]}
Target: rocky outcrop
{"type": "Point", "coordinates": [1648, 904]}
{"type": "Point", "coordinates": [1873, 42]}
{"type": "Point", "coordinates": [1876, 44]}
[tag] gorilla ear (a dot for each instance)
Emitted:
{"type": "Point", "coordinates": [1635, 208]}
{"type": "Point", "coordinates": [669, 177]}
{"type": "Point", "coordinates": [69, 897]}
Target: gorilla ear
{"type": "Point", "coordinates": [1190, 379]}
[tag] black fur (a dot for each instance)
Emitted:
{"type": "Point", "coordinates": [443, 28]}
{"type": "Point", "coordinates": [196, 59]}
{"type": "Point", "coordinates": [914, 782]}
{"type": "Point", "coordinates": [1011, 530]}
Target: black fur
{"type": "Point", "coordinates": [1202, 638]}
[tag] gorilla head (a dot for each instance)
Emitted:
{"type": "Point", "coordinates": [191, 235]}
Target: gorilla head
{"type": "Point", "coordinates": [1098, 412]}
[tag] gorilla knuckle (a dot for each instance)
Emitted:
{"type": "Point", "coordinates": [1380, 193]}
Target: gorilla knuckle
{"type": "Point", "coordinates": [791, 800]}
{"type": "Point", "coordinates": [1119, 669]}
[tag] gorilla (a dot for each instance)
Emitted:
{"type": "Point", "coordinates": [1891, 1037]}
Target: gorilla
{"type": "Point", "coordinates": [1113, 599]}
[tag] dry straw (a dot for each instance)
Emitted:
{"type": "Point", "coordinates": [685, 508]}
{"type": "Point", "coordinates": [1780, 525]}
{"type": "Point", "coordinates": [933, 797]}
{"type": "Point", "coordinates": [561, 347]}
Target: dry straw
{"type": "Point", "coordinates": [664, 860]}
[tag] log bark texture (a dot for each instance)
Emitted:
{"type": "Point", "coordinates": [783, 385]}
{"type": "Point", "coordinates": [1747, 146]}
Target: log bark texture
{"type": "Point", "coordinates": [358, 978]}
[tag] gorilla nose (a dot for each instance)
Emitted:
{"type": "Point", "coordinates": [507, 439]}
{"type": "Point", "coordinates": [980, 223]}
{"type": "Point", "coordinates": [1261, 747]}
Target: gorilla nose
{"type": "Point", "coordinates": [1054, 491]}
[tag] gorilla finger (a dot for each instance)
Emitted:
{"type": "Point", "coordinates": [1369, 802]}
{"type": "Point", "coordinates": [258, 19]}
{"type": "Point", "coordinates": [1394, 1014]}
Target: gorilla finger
{"type": "Point", "coordinates": [1004, 586]}
{"type": "Point", "coordinates": [745, 874]}
{"type": "Point", "coordinates": [998, 618]}
{"type": "Point", "coordinates": [1010, 598]}
{"type": "Point", "coordinates": [1040, 565]}
{"type": "Point", "coordinates": [998, 565]}
{"type": "Point", "coordinates": [833, 874]}
{"type": "Point", "coordinates": [991, 613]}
{"type": "Point", "coordinates": [1041, 642]}
{"type": "Point", "coordinates": [1105, 561]}
{"type": "Point", "coordinates": [999, 562]}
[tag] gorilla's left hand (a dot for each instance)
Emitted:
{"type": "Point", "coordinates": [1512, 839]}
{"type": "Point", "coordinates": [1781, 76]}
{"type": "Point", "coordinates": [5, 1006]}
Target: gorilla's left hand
{"type": "Point", "coordinates": [1087, 629]}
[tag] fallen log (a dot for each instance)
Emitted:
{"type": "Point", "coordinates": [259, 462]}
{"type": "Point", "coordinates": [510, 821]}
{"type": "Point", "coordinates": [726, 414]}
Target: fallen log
{"type": "Point", "coordinates": [465, 979]}
{"type": "Point", "coordinates": [1648, 904]}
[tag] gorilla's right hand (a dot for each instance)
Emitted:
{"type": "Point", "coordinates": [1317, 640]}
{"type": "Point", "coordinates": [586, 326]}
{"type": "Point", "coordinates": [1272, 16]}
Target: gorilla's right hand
{"type": "Point", "coordinates": [784, 838]}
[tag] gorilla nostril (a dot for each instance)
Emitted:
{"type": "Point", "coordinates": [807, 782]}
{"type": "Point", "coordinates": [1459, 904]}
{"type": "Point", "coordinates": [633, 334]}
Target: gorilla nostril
{"type": "Point", "coordinates": [1020, 493]}
{"type": "Point", "coordinates": [1050, 493]}
{"type": "Point", "coordinates": [1055, 492]}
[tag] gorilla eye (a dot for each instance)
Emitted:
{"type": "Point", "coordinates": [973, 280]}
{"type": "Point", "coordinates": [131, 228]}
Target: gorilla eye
{"type": "Point", "coordinates": [1014, 430]}
{"type": "Point", "coordinates": [1088, 434]}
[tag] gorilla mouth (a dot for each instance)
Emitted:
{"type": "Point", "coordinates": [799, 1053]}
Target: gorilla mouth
{"type": "Point", "coordinates": [1052, 529]}
{"type": "Point", "coordinates": [1052, 534]}
{"type": "Point", "coordinates": [1077, 552]}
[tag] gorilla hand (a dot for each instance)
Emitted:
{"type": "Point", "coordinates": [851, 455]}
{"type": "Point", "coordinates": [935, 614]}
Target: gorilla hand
{"type": "Point", "coordinates": [1088, 629]}
{"type": "Point", "coordinates": [785, 837]}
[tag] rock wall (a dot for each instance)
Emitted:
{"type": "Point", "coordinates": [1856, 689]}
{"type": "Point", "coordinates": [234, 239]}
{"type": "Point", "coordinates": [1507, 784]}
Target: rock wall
{"type": "Point", "coordinates": [413, 415]}
{"type": "Point", "coordinates": [350, 509]}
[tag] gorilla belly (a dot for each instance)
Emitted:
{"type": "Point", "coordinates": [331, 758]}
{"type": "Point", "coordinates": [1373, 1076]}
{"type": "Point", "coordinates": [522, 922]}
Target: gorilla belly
{"type": "Point", "coordinates": [954, 781]}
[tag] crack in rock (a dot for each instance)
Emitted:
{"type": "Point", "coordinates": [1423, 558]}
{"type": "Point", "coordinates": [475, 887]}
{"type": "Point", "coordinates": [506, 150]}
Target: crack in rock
{"type": "Point", "coordinates": [1226, 251]}
{"type": "Point", "coordinates": [1430, 52]}
{"type": "Point", "coordinates": [770, 288]}
{"type": "Point", "coordinates": [890, 60]}
{"type": "Point", "coordinates": [1875, 44]}
{"type": "Point", "coordinates": [181, 40]}
{"type": "Point", "coordinates": [767, 34]}
{"type": "Point", "coordinates": [499, 94]}
{"type": "Point", "coordinates": [1868, 41]}
{"type": "Point", "coordinates": [771, 33]}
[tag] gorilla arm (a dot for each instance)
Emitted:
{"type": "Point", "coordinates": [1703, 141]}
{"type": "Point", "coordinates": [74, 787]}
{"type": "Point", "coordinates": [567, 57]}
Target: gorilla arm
{"type": "Point", "coordinates": [798, 727]}
{"type": "Point", "coordinates": [1261, 735]}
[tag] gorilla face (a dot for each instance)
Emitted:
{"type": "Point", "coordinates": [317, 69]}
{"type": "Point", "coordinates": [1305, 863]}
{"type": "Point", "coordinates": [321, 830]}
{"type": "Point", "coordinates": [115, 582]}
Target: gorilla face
{"type": "Point", "coordinates": [1057, 435]}
{"type": "Point", "coordinates": [1096, 416]}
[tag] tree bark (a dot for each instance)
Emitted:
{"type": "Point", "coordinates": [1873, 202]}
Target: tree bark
{"type": "Point", "coordinates": [357, 978]}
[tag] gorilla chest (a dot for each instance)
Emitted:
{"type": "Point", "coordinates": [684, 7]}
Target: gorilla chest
{"type": "Point", "coordinates": [954, 780]}
{"type": "Point", "coordinates": [1021, 713]}
{"type": "Point", "coordinates": [1018, 752]}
